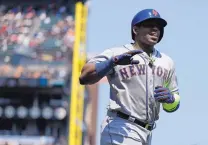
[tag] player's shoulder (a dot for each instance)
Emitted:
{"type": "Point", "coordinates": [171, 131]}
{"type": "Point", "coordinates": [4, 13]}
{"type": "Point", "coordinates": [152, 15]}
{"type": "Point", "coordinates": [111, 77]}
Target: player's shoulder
{"type": "Point", "coordinates": [167, 58]}
{"type": "Point", "coordinates": [121, 48]}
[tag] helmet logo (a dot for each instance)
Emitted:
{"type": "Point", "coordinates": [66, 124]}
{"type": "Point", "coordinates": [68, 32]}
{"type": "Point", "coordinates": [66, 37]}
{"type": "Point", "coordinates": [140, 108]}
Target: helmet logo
{"type": "Point", "coordinates": [155, 13]}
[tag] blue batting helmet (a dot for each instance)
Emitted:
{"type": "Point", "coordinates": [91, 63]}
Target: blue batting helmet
{"type": "Point", "coordinates": [147, 14]}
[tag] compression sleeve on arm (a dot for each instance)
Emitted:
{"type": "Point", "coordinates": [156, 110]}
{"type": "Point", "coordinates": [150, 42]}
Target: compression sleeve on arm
{"type": "Point", "coordinates": [102, 68]}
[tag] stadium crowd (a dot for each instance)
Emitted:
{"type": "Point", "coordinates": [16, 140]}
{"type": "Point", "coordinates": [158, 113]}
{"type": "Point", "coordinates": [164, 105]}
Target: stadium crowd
{"type": "Point", "coordinates": [35, 41]}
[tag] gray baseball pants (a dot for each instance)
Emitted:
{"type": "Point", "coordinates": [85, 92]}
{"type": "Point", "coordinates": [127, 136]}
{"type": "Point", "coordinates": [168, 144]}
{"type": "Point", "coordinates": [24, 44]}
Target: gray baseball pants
{"type": "Point", "coordinates": [118, 131]}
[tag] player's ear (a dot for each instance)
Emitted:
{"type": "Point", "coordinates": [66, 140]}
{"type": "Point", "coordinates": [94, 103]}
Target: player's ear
{"type": "Point", "coordinates": [135, 30]}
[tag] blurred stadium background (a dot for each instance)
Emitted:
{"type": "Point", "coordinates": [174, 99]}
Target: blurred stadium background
{"type": "Point", "coordinates": [42, 48]}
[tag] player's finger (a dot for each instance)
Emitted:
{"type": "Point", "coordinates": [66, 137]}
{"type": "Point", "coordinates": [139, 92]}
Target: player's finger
{"type": "Point", "coordinates": [127, 55]}
{"type": "Point", "coordinates": [160, 90]}
{"type": "Point", "coordinates": [134, 52]}
{"type": "Point", "coordinates": [134, 61]}
{"type": "Point", "coordinates": [164, 97]}
{"type": "Point", "coordinates": [120, 57]}
{"type": "Point", "coordinates": [160, 94]}
{"type": "Point", "coordinates": [162, 100]}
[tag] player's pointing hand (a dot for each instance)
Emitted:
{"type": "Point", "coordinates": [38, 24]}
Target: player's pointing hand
{"type": "Point", "coordinates": [126, 58]}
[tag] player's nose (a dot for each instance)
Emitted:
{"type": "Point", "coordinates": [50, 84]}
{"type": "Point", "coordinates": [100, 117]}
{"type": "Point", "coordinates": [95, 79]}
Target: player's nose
{"type": "Point", "coordinates": [155, 31]}
{"type": "Point", "coordinates": [155, 28]}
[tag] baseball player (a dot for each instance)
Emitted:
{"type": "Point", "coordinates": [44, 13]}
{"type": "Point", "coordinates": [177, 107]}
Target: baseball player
{"type": "Point", "coordinates": [141, 80]}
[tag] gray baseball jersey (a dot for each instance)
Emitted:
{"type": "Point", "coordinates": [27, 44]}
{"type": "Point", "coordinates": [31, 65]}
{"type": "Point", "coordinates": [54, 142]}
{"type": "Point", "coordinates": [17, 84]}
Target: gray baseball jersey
{"type": "Point", "coordinates": [132, 86]}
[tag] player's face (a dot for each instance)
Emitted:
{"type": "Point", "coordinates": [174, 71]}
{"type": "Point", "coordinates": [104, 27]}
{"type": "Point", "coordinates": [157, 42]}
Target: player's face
{"type": "Point", "coordinates": [149, 32]}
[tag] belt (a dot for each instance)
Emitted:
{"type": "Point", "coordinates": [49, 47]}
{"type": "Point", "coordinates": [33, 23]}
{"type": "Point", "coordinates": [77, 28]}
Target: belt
{"type": "Point", "coordinates": [148, 126]}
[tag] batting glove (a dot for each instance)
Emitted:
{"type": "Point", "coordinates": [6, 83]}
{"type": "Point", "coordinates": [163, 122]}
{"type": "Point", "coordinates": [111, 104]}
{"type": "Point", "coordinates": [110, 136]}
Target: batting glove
{"type": "Point", "coordinates": [163, 95]}
{"type": "Point", "coordinates": [126, 58]}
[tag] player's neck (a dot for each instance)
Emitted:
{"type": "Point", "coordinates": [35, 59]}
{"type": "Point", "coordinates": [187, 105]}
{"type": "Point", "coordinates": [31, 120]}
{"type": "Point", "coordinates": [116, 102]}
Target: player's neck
{"type": "Point", "coordinates": [145, 48]}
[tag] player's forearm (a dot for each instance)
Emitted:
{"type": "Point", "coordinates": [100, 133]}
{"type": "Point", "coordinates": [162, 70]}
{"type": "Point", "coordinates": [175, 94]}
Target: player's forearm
{"type": "Point", "coordinates": [88, 74]}
{"type": "Point", "coordinates": [92, 72]}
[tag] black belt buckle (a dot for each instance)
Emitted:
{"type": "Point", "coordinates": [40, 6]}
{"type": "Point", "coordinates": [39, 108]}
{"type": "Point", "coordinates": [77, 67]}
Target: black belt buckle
{"type": "Point", "coordinates": [132, 119]}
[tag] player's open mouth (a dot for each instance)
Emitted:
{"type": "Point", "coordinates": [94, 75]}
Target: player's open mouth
{"type": "Point", "coordinates": [154, 37]}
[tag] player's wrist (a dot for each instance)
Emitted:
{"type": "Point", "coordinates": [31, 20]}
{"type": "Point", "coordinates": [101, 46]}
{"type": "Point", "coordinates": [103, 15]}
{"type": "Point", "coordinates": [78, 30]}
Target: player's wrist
{"type": "Point", "coordinates": [171, 99]}
{"type": "Point", "coordinates": [172, 107]}
{"type": "Point", "coordinates": [104, 67]}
